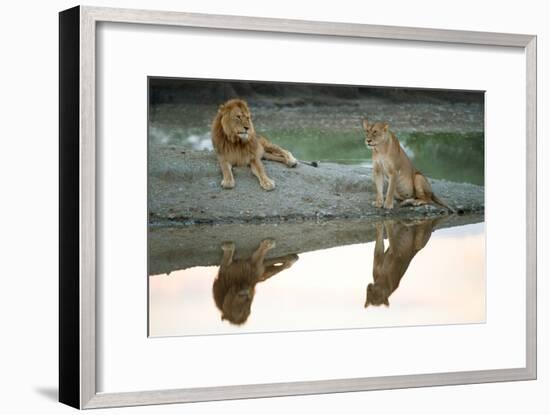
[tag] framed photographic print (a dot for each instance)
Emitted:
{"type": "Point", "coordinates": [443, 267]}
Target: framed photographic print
{"type": "Point", "coordinates": [255, 207]}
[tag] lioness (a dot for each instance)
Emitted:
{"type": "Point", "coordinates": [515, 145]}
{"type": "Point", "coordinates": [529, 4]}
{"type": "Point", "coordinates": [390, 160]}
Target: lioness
{"type": "Point", "coordinates": [235, 284]}
{"type": "Point", "coordinates": [405, 182]}
{"type": "Point", "coordinates": [405, 240]}
{"type": "Point", "coordinates": [237, 144]}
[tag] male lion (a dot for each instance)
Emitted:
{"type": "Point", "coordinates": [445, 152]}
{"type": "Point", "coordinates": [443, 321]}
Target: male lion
{"type": "Point", "coordinates": [237, 144]}
{"type": "Point", "coordinates": [234, 288]}
{"type": "Point", "coordinates": [405, 240]}
{"type": "Point", "coordinates": [405, 182]}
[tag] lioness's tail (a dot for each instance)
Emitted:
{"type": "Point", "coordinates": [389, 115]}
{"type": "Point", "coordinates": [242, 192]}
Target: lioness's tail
{"type": "Point", "coordinates": [439, 202]}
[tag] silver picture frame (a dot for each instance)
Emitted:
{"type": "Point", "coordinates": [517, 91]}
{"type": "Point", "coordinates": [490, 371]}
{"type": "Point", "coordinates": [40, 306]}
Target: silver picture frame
{"type": "Point", "coordinates": [77, 138]}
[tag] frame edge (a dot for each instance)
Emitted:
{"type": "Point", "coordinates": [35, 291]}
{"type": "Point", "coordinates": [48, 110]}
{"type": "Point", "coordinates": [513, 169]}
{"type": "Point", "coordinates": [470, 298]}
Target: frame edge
{"type": "Point", "coordinates": [87, 194]}
{"type": "Point", "coordinates": [310, 27]}
{"type": "Point", "coordinates": [174, 396]}
{"type": "Point", "coordinates": [531, 206]}
{"type": "Point", "coordinates": [69, 205]}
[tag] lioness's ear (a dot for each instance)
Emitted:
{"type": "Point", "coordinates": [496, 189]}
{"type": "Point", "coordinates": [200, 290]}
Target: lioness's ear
{"type": "Point", "coordinates": [221, 107]}
{"type": "Point", "coordinates": [386, 126]}
{"type": "Point", "coordinates": [365, 123]}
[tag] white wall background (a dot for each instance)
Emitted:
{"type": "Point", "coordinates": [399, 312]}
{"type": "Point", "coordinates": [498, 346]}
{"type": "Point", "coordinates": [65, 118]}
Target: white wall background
{"type": "Point", "coordinates": [28, 208]}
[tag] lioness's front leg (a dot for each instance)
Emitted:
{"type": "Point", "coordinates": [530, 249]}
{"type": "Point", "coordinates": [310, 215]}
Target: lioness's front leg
{"type": "Point", "coordinates": [379, 245]}
{"type": "Point", "coordinates": [392, 180]}
{"type": "Point", "coordinates": [228, 181]}
{"type": "Point", "coordinates": [258, 170]}
{"type": "Point", "coordinates": [378, 177]}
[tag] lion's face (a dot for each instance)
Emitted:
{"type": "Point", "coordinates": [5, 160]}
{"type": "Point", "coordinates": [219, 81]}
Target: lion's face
{"type": "Point", "coordinates": [236, 120]}
{"type": "Point", "coordinates": [375, 133]}
{"type": "Point", "coordinates": [236, 304]}
{"type": "Point", "coordinates": [376, 296]}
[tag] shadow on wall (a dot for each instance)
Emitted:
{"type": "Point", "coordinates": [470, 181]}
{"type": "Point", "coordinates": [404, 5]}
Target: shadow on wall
{"type": "Point", "coordinates": [50, 393]}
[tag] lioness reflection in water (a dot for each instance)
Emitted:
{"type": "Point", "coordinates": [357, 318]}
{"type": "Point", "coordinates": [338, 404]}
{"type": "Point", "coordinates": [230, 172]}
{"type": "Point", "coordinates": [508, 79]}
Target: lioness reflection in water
{"type": "Point", "coordinates": [405, 241]}
{"type": "Point", "coordinates": [235, 284]}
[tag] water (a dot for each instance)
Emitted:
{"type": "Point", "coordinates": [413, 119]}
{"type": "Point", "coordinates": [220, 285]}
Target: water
{"type": "Point", "coordinates": [411, 273]}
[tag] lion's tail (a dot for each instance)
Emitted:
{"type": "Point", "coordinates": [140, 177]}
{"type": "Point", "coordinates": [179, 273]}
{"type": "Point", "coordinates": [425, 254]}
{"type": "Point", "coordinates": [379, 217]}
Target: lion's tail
{"type": "Point", "coordinates": [439, 202]}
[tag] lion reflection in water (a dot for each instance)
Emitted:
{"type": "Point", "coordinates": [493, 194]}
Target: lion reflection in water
{"type": "Point", "coordinates": [235, 284]}
{"type": "Point", "coordinates": [405, 241]}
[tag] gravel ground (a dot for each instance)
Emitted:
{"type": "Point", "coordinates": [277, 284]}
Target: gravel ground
{"type": "Point", "coordinates": [344, 115]}
{"type": "Point", "coordinates": [184, 189]}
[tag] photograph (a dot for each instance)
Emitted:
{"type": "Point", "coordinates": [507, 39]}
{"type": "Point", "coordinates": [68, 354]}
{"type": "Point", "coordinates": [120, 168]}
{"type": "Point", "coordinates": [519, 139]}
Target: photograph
{"type": "Point", "coordinates": [278, 207]}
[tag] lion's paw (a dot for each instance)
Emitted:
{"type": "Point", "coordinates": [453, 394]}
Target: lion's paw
{"type": "Point", "coordinates": [228, 246]}
{"type": "Point", "coordinates": [228, 184]}
{"type": "Point", "coordinates": [269, 243]}
{"type": "Point", "coordinates": [267, 184]}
